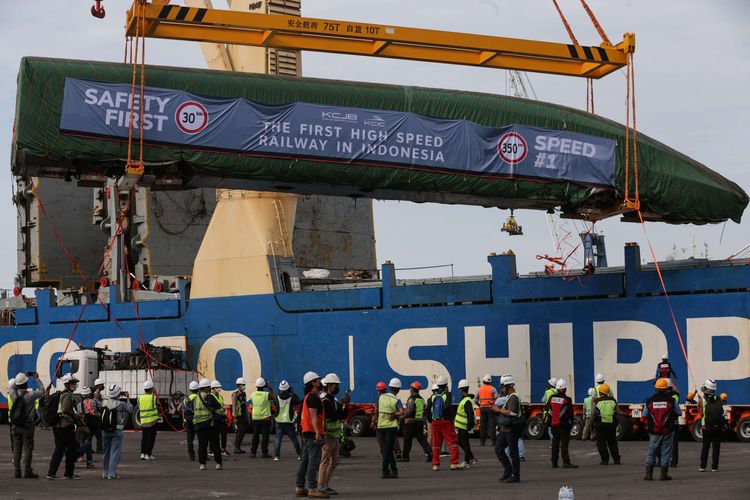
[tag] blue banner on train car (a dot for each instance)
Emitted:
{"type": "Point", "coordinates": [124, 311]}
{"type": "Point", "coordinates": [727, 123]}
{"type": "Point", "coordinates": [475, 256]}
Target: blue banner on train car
{"type": "Point", "coordinates": [341, 134]}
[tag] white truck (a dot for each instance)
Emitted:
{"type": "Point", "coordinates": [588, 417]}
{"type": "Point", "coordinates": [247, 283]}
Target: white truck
{"type": "Point", "coordinates": [130, 370]}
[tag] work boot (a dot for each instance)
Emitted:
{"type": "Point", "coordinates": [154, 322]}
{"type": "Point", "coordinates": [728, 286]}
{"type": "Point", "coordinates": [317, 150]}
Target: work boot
{"type": "Point", "coordinates": [428, 457]}
{"type": "Point", "coordinates": [481, 443]}
{"type": "Point", "coordinates": [300, 492]}
{"type": "Point", "coordinates": [30, 474]}
{"type": "Point", "coordinates": [649, 473]}
{"type": "Point", "coordinates": [394, 474]}
{"type": "Point", "coordinates": [239, 451]}
{"type": "Point", "coordinates": [385, 474]}
{"type": "Point", "coordinates": [18, 473]}
{"type": "Point", "coordinates": [554, 465]}
{"type": "Point", "coordinates": [403, 459]}
{"type": "Point", "coordinates": [513, 479]}
{"type": "Point", "coordinates": [570, 466]}
{"type": "Point", "coordinates": [665, 474]}
{"type": "Point", "coordinates": [317, 494]}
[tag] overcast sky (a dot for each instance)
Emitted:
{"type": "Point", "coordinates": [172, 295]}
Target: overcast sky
{"type": "Point", "coordinates": [692, 78]}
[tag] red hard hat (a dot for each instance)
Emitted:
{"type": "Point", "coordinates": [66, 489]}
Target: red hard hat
{"type": "Point", "coordinates": [416, 385]}
{"type": "Point", "coordinates": [381, 386]}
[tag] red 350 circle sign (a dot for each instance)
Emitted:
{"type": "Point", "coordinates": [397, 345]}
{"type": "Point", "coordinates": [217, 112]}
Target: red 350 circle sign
{"type": "Point", "coordinates": [512, 148]}
{"type": "Point", "coordinates": [191, 117]}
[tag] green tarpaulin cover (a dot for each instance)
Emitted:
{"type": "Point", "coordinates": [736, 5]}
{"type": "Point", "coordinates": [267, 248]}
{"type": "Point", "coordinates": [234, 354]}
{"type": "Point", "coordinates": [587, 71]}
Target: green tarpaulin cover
{"type": "Point", "coordinates": [673, 188]}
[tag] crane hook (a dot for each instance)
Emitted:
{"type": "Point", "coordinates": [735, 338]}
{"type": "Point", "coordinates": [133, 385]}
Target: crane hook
{"type": "Point", "coordinates": [97, 10]}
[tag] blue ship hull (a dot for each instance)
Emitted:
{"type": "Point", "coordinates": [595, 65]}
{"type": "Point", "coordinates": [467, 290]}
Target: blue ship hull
{"type": "Point", "coordinates": [616, 322]}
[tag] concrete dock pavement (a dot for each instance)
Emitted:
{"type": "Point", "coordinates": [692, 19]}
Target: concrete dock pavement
{"type": "Point", "coordinates": [172, 476]}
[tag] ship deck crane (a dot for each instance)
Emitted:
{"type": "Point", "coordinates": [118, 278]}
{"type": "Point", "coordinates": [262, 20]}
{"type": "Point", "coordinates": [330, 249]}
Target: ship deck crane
{"type": "Point", "coordinates": [163, 20]}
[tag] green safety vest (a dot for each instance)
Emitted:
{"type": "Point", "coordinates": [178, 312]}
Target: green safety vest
{"type": "Point", "coordinates": [147, 409]}
{"type": "Point", "coordinates": [284, 416]}
{"type": "Point", "coordinates": [419, 408]}
{"type": "Point", "coordinates": [462, 419]}
{"type": "Point", "coordinates": [588, 405]}
{"type": "Point", "coordinates": [239, 403]}
{"type": "Point", "coordinates": [596, 391]}
{"type": "Point", "coordinates": [387, 407]}
{"type": "Point", "coordinates": [548, 394]}
{"type": "Point", "coordinates": [201, 412]}
{"type": "Point", "coordinates": [607, 409]}
{"type": "Point", "coordinates": [10, 405]}
{"type": "Point", "coordinates": [261, 405]}
{"type": "Point", "coordinates": [334, 427]}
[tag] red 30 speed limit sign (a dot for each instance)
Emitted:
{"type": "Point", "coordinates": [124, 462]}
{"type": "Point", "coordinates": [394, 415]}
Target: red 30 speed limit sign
{"type": "Point", "coordinates": [191, 117]}
{"type": "Point", "coordinates": [512, 148]}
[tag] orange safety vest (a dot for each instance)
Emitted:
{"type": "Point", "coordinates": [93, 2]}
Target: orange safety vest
{"type": "Point", "coordinates": [307, 419]}
{"type": "Point", "coordinates": [486, 399]}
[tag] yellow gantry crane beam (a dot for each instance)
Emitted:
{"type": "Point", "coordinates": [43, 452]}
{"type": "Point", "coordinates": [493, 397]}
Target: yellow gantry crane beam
{"type": "Point", "coordinates": [163, 20]}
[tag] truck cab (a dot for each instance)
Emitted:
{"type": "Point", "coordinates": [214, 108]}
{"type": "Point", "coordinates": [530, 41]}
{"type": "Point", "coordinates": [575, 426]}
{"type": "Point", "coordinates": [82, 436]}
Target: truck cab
{"type": "Point", "coordinates": [83, 364]}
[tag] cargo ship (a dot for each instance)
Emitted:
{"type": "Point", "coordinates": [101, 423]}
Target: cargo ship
{"type": "Point", "coordinates": [248, 309]}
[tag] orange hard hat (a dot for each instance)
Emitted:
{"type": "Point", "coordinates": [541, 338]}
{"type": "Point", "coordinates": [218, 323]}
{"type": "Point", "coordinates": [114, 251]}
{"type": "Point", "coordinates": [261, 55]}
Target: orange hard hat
{"type": "Point", "coordinates": [381, 386]}
{"type": "Point", "coordinates": [603, 389]}
{"type": "Point", "coordinates": [661, 384]}
{"type": "Point", "coordinates": [416, 386]}
{"type": "Point", "coordinates": [723, 396]}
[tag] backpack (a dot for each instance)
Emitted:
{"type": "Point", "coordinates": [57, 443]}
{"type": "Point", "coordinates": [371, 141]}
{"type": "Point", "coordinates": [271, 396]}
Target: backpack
{"type": "Point", "coordinates": [109, 419]}
{"type": "Point", "coordinates": [51, 405]}
{"type": "Point", "coordinates": [713, 412]}
{"type": "Point", "coordinates": [438, 406]}
{"type": "Point", "coordinates": [17, 414]}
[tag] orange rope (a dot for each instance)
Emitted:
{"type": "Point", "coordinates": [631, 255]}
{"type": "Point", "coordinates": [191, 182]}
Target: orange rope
{"type": "Point", "coordinates": [666, 295]}
{"type": "Point", "coordinates": [596, 24]}
{"type": "Point", "coordinates": [635, 128]}
{"type": "Point", "coordinates": [143, 83]}
{"type": "Point", "coordinates": [565, 23]}
{"type": "Point", "coordinates": [627, 133]}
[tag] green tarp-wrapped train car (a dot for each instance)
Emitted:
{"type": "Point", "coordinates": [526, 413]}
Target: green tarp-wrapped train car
{"type": "Point", "coordinates": [673, 188]}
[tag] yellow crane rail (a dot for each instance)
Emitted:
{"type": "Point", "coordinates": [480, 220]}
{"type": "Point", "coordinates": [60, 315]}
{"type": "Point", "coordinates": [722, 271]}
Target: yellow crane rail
{"type": "Point", "coordinates": [163, 20]}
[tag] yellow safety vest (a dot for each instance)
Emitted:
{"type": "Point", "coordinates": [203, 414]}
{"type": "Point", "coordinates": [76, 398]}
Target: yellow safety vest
{"type": "Point", "coordinates": [261, 405]}
{"type": "Point", "coordinates": [147, 409]}
{"type": "Point", "coordinates": [284, 415]}
{"type": "Point", "coordinates": [462, 419]}
{"type": "Point", "coordinates": [387, 407]}
{"type": "Point", "coordinates": [201, 412]}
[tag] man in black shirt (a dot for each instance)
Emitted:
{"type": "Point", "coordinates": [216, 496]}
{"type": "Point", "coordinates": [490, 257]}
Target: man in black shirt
{"type": "Point", "coordinates": [713, 424]}
{"type": "Point", "coordinates": [559, 409]}
{"type": "Point", "coordinates": [334, 412]}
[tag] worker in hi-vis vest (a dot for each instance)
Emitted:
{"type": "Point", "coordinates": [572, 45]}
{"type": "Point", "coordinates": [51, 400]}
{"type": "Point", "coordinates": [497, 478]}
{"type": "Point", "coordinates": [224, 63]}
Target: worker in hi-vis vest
{"type": "Point", "coordinates": [148, 417]}
{"type": "Point", "coordinates": [261, 402]}
{"type": "Point", "coordinates": [486, 396]}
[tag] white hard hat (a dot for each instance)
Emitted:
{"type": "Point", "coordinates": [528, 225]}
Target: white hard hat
{"type": "Point", "coordinates": [148, 384]}
{"type": "Point", "coordinates": [204, 383]}
{"type": "Point", "coordinates": [552, 381]}
{"type": "Point", "coordinates": [309, 377]}
{"type": "Point", "coordinates": [487, 378]}
{"type": "Point", "coordinates": [240, 381]}
{"type": "Point", "coordinates": [664, 356]}
{"type": "Point", "coordinates": [463, 384]}
{"type": "Point", "coordinates": [710, 384]}
{"type": "Point", "coordinates": [332, 378]}
{"type": "Point", "coordinates": [194, 386]}
{"type": "Point", "coordinates": [284, 385]}
{"type": "Point", "coordinates": [591, 391]}
{"type": "Point", "coordinates": [599, 379]}
{"type": "Point", "coordinates": [395, 383]}
{"type": "Point", "coordinates": [442, 380]}
{"type": "Point", "coordinates": [11, 384]}
{"type": "Point", "coordinates": [669, 382]}
{"type": "Point", "coordinates": [215, 384]}
{"type": "Point", "coordinates": [507, 380]}
{"type": "Point", "coordinates": [98, 382]}
{"type": "Point", "coordinates": [435, 387]}
{"type": "Point", "coordinates": [86, 391]}
{"type": "Point", "coordinates": [21, 379]}
{"type": "Point", "coordinates": [114, 391]}
{"type": "Point", "coordinates": [259, 382]}
{"type": "Point", "coordinates": [561, 384]}
{"type": "Point", "coordinates": [68, 379]}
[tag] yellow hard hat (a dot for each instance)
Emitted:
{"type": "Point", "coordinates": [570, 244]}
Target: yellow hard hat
{"type": "Point", "coordinates": [603, 389]}
{"type": "Point", "coordinates": [690, 395]}
{"type": "Point", "coordinates": [723, 396]}
{"type": "Point", "coordinates": [661, 384]}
